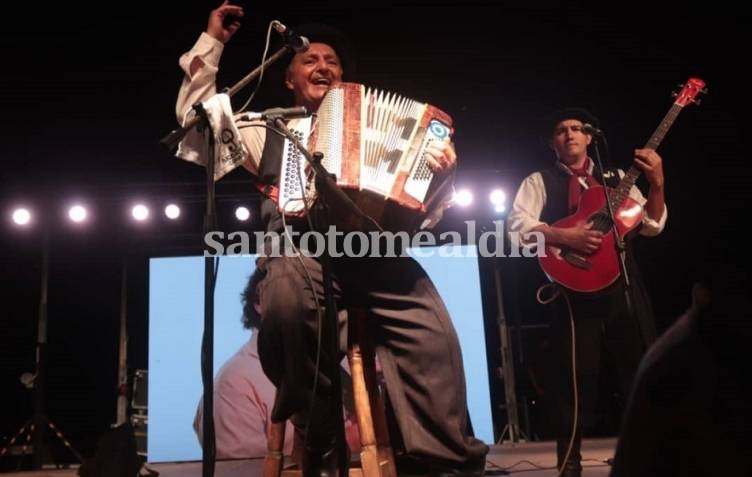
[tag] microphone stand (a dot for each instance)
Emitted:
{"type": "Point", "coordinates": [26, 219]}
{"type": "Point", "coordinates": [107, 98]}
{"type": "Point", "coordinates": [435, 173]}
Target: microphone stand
{"type": "Point", "coordinates": [171, 141]}
{"type": "Point", "coordinates": [619, 243]}
{"type": "Point", "coordinates": [207, 343]}
{"type": "Point", "coordinates": [328, 191]}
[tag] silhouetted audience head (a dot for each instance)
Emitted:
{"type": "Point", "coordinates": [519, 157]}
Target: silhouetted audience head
{"type": "Point", "coordinates": [688, 413]}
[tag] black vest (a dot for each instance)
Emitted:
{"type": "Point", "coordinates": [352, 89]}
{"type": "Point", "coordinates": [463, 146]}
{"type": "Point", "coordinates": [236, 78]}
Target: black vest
{"type": "Point", "coordinates": [556, 183]}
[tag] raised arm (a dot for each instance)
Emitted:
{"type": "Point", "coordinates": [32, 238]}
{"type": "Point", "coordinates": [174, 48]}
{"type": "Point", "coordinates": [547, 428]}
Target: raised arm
{"type": "Point", "coordinates": [200, 64]}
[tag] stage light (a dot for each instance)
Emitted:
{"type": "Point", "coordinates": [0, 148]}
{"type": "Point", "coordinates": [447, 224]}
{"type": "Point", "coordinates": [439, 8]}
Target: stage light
{"type": "Point", "coordinates": [21, 216]}
{"type": "Point", "coordinates": [140, 212]}
{"type": "Point", "coordinates": [242, 213]}
{"type": "Point", "coordinates": [498, 199]}
{"type": "Point", "coordinates": [497, 196]}
{"type": "Point", "coordinates": [463, 197]}
{"type": "Point", "coordinates": [78, 213]}
{"type": "Point", "coordinates": [172, 211]}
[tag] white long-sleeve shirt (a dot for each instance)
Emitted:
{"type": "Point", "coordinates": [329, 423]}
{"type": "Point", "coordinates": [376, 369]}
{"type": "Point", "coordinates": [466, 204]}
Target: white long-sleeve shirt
{"type": "Point", "coordinates": [202, 86]}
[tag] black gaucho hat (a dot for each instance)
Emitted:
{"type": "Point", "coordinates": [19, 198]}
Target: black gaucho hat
{"type": "Point", "coordinates": [554, 118]}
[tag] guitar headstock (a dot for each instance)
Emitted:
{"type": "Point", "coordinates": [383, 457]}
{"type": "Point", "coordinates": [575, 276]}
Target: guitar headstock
{"type": "Point", "coordinates": [689, 92]}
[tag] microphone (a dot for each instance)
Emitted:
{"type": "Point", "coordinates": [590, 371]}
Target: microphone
{"type": "Point", "coordinates": [297, 43]}
{"type": "Point", "coordinates": [274, 113]}
{"type": "Point", "coordinates": [592, 130]}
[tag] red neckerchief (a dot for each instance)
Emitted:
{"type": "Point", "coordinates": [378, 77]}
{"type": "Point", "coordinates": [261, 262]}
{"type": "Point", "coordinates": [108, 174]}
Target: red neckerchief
{"type": "Point", "coordinates": [575, 187]}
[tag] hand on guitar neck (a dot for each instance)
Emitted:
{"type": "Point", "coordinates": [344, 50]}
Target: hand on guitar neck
{"type": "Point", "coordinates": [651, 164]}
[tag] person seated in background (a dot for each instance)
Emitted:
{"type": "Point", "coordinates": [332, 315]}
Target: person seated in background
{"type": "Point", "coordinates": [244, 396]}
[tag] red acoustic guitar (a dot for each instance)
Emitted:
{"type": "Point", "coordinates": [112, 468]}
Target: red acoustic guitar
{"type": "Point", "coordinates": [592, 272]}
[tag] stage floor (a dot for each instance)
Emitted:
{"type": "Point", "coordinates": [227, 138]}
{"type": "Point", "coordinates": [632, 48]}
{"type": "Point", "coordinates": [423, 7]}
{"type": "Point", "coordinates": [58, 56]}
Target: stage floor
{"type": "Point", "coordinates": [530, 459]}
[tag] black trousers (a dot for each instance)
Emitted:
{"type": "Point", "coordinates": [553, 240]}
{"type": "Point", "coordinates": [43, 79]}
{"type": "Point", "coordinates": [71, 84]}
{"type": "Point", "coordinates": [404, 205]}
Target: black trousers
{"type": "Point", "coordinates": [415, 341]}
{"type": "Point", "coordinates": [607, 338]}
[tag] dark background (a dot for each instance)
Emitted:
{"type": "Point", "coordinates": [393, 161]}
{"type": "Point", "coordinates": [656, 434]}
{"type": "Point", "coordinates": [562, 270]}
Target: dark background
{"type": "Point", "coordinates": [87, 92]}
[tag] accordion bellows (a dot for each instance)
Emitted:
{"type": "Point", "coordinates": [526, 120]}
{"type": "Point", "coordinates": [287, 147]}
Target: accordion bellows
{"type": "Point", "coordinates": [374, 143]}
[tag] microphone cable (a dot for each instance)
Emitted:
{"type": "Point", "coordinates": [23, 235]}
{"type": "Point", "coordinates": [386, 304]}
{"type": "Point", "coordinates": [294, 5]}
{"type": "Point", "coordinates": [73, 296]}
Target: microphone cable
{"type": "Point", "coordinates": [558, 291]}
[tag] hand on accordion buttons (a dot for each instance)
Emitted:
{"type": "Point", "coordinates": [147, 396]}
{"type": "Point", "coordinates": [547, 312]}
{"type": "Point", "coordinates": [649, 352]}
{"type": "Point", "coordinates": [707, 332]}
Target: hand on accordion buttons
{"type": "Point", "coordinates": [441, 156]}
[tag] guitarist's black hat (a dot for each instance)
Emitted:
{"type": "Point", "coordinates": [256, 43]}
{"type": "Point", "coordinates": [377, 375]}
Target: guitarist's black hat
{"type": "Point", "coordinates": [554, 118]}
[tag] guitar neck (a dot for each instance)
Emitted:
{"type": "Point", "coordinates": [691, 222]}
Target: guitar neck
{"type": "Point", "coordinates": [630, 178]}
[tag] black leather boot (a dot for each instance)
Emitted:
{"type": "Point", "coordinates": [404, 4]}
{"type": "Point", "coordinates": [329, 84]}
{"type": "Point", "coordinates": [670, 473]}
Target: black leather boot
{"type": "Point", "coordinates": [572, 467]}
{"type": "Point", "coordinates": [321, 462]}
{"type": "Point", "coordinates": [323, 453]}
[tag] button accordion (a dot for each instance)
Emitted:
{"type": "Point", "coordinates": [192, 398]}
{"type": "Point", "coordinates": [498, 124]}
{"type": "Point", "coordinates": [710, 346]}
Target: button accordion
{"type": "Point", "coordinates": [373, 143]}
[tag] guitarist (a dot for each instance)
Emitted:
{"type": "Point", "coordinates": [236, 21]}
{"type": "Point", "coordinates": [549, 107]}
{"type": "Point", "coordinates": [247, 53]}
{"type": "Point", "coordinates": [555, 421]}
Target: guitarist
{"type": "Point", "coordinates": [603, 326]}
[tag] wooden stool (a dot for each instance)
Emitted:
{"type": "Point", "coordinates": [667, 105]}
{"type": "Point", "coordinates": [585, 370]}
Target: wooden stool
{"type": "Point", "coordinates": [376, 456]}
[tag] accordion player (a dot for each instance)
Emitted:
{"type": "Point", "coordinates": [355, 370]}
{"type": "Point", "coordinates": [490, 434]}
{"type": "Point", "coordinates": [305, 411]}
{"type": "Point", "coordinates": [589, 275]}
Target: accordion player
{"type": "Point", "coordinates": [373, 143]}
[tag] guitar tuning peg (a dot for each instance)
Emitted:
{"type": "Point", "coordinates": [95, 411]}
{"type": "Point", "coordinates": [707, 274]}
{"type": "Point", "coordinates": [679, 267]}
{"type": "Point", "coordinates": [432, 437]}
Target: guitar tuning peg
{"type": "Point", "coordinates": [674, 94]}
{"type": "Point", "coordinates": [697, 101]}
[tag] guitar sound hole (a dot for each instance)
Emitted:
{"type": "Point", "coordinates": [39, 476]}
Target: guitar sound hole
{"type": "Point", "coordinates": [601, 222]}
